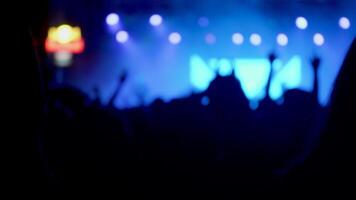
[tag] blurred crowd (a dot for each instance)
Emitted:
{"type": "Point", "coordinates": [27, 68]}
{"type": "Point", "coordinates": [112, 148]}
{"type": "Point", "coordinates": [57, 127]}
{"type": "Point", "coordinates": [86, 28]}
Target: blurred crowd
{"type": "Point", "coordinates": [185, 140]}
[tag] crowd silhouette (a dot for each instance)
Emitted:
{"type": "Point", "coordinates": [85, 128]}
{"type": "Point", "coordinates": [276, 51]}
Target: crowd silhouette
{"type": "Point", "coordinates": [223, 145]}
{"type": "Point", "coordinates": [183, 149]}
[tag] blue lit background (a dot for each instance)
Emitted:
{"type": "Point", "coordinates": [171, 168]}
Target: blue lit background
{"type": "Point", "coordinates": [158, 69]}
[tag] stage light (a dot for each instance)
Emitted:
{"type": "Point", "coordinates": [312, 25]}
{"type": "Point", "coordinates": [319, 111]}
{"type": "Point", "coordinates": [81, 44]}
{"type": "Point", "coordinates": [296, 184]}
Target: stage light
{"type": "Point", "coordinates": [255, 39]}
{"type": "Point", "coordinates": [64, 34]}
{"type": "Point", "coordinates": [237, 38]}
{"type": "Point", "coordinates": [287, 76]}
{"type": "Point", "coordinates": [301, 23]}
{"type": "Point", "coordinates": [282, 39]}
{"type": "Point", "coordinates": [156, 20]}
{"type": "Point", "coordinates": [200, 73]}
{"type": "Point", "coordinates": [63, 59]}
{"type": "Point", "coordinates": [112, 19]}
{"type": "Point", "coordinates": [175, 38]}
{"type": "Point", "coordinates": [318, 39]}
{"type": "Point", "coordinates": [205, 101]}
{"type": "Point", "coordinates": [225, 67]}
{"type": "Point", "coordinates": [344, 23]}
{"type": "Point", "coordinates": [203, 21]}
{"type": "Point", "coordinates": [253, 76]}
{"type": "Point", "coordinates": [64, 39]}
{"type": "Point", "coordinates": [210, 38]}
{"type": "Point", "coordinates": [122, 36]}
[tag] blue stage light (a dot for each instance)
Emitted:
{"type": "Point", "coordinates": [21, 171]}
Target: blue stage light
{"type": "Point", "coordinates": [210, 38]}
{"type": "Point", "coordinates": [200, 73]}
{"type": "Point", "coordinates": [282, 39]}
{"type": "Point", "coordinates": [112, 19]}
{"type": "Point", "coordinates": [205, 101]}
{"type": "Point", "coordinates": [175, 38]}
{"type": "Point", "coordinates": [253, 76]}
{"type": "Point", "coordinates": [286, 76]}
{"type": "Point", "coordinates": [122, 36]}
{"type": "Point", "coordinates": [237, 38]}
{"type": "Point", "coordinates": [255, 39]}
{"type": "Point", "coordinates": [203, 21]}
{"type": "Point", "coordinates": [318, 39]}
{"type": "Point", "coordinates": [344, 23]}
{"type": "Point", "coordinates": [156, 20]}
{"type": "Point", "coordinates": [301, 23]}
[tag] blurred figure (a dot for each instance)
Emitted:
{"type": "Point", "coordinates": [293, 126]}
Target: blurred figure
{"type": "Point", "coordinates": [120, 82]}
{"type": "Point", "coordinates": [97, 100]}
{"type": "Point", "coordinates": [330, 170]}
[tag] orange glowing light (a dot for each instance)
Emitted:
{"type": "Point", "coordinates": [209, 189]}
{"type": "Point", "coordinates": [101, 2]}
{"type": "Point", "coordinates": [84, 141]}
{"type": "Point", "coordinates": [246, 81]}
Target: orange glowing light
{"type": "Point", "coordinates": [64, 38]}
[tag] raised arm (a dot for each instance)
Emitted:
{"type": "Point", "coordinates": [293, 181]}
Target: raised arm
{"type": "Point", "coordinates": [121, 80]}
{"type": "Point", "coordinates": [316, 64]}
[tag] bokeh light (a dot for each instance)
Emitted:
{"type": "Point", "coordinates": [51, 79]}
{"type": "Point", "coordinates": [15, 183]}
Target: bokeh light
{"type": "Point", "coordinates": [255, 39]}
{"type": "Point", "coordinates": [318, 39]}
{"type": "Point", "coordinates": [237, 38]}
{"type": "Point", "coordinates": [203, 21]}
{"type": "Point", "coordinates": [112, 19]}
{"type": "Point", "coordinates": [175, 38]}
{"type": "Point", "coordinates": [122, 36]}
{"type": "Point", "coordinates": [205, 101]}
{"type": "Point", "coordinates": [344, 23]}
{"type": "Point", "coordinates": [210, 38]}
{"type": "Point", "coordinates": [156, 20]}
{"type": "Point", "coordinates": [282, 39]}
{"type": "Point", "coordinates": [301, 23]}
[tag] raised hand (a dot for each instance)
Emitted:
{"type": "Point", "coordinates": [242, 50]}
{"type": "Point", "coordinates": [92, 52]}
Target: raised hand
{"type": "Point", "coordinates": [122, 77]}
{"type": "Point", "coordinates": [315, 63]}
{"type": "Point", "coordinates": [271, 57]}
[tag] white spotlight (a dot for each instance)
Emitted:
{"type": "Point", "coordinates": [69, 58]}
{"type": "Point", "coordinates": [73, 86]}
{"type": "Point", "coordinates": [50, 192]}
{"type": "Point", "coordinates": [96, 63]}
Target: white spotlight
{"type": "Point", "coordinates": [301, 23]}
{"type": "Point", "coordinates": [112, 19]}
{"type": "Point", "coordinates": [344, 23]}
{"type": "Point", "coordinates": [318, 39]}
{"type": "Point", "coordinates": [282, 39]}
{"type": "Point", "coordinates": [237, 38]}
{"type": "Point", "coordinates": [156, 20]}
{"type": "Point", "coordinates": [122, 36]}
{"type": "Point", "coordinates": [255, 39]}
{"type": "Point", "coordinates": [175, 38]}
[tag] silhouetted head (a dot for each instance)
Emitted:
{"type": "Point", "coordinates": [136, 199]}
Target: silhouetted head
{"type": "Point", "coordinates": [271, 57]}
{"type": "Point", "coordinates": [343, 98]}
{"type": "Point", "coordinates": [158, 102]}
{"type": "Point", "coordinates": [316, 63]}
{"type": "Point", "coordinates": [69, 97]}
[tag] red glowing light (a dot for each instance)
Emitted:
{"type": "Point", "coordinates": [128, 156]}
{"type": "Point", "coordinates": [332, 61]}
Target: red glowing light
{"type": "Point", "coordinates": [75, 47]}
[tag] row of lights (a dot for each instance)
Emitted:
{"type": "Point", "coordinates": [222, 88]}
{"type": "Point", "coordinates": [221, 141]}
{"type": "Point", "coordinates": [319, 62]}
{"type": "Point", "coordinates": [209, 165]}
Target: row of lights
{"type": "Point", "coordinates": [123, 37]}
{"type": "Point", "coordinates": [174, 38]}
{"type": "Point", "coordinates": [302, 23]}
{"type": "Point", "coordinates": [237, 38]}
{"type": "Point", "coordinates": [156, 20]}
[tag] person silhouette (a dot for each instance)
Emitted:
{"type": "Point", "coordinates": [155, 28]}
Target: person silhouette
{"type": "Point", "coordinates": [316, 65]}
{"type": "Point", "coordinates": [97, 99]}
{"type": "Point", "coordinates": [330, 169]}
{"type": "Point", "coordinates": [267, 104]}
{"type": "Point", "coordinates": [301, 117]}
{"type": "Point", "coordinates": [121, 80]}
